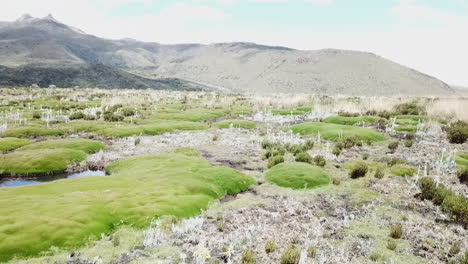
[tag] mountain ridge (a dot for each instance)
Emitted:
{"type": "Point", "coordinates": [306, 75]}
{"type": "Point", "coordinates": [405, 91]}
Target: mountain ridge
{"type": "Point", "coordinates": [235, 66]}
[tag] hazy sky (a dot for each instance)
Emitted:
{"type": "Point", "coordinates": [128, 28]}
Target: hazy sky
{"type": "Point", "coordinates": [428, 35]}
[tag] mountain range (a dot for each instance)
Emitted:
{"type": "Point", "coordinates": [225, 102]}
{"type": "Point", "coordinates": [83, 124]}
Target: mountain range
{"type": "Point", "coordinates": [46, 52]}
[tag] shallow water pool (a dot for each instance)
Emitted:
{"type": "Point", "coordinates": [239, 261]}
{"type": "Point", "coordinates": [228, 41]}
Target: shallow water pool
{"type": "Point", "coordinates": [23, 181]}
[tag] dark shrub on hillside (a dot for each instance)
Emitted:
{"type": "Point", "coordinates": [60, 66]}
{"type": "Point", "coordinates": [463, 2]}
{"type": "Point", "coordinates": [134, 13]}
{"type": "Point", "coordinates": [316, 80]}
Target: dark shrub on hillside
{"type": "Point", "coordinates": [384, 114]}
{"type": "Point", "coordinates": [128, 112]}
{"type": "Point", "coordinates": [90, 117]}
{"type": "Point", "coordinates": [463, 175]}
{"type": "Point", "coordinates": [273, 152]}
{"type": "Point", "coordinates": [358, 170]}
{"type": "Point", "coordinates": [275, 160]}
{"type": "Point", "coordinates": [304, 157]}
{"type": "Point", "coordinates": [111, 117]}
{"type": "Point", "coordinates": [37, 115]}
{"type": "Point", "coordinates": [76, 115]}
{"type": "Point", "coordinates": [395, 161]}
{"type": "Point", "coordinates": [347, 114]}
{"type": "Point", "coordinates": [291, 255]}
{"type": "Point", "coordinates": [382, 124]}
{"type": "Point", "coordinates": [336, 151]}
{"type": "Point", "coordinates": [320, 161]}
{"type": "Point", "coordinates": [351, 141]}
{"type": "Point", "coordinates": [454, 204]}
{"type": "Point", "coordinates": [408, 143]}
{"type": "Point", "coordinates": [396, 231]}
{"type": "Point", "coordinates": [393, 146]}
{"type": "Point", "coordinates": [412, 108]}
{"type": "Point", "coordinates": [295, 149]}
{"type": "Point", "coordinates": [457, 132]}
{"type": "Point", "coordinates": [379, 173]}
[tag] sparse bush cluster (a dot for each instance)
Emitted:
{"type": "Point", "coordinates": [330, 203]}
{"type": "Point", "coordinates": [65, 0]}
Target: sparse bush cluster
{"type": "Point", "coordinates": [112, 117]}
{"type": "Point", "coordinates": [275, 152]}
{"type": "Point", "coordinates": [454, 204]}
{"type": "Point", "coordinates": [291, 255]}
{"type": "Point", "coordinates": [457, 132]}
{"type": "Point", "coordinates": [411, 108]}
{"type": "Point", "coordinates": [392, 146]}
{"type": "Point", "coordinates": [358, 170]}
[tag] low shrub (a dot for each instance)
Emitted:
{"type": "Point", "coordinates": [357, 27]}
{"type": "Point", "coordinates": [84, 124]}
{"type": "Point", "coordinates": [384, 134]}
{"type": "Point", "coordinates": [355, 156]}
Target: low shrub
{"type": "Point", "coordinates": [309, 144]}
{"type": "Point", "coordinates": [403, 170]}
{"type": "Point", "coordinates": [336, 180]}
{"type": "Point", "coordinates": [392, 245]}
{"type": "Point", "coordinates": [408, 143]}
{"type": "Point", "coordinates": [411, 108]}
{"type": "Point", "coordinates": [336, 151]}
{"type": "Point", "coordinates": [291, 255]}
{"type": "Point", "coordinates": [454, 204]}
{"type": "Point", "coordinates": [304, 157]}
{"type": "Point", "coordinates": [365, 156]}
{"type": "Point", "coordinates": [393, 146]}
{"type": "Point", "coordinates": [273, 152]}
{"type": "Point", "coordinates": [454, 249]}
{"type": "Point", "coordinates": [270, 246]}
{"type": "Point", "coordinates": [396, 231]}
{"type": "Point", "coordinates": [311, 252]}
{"type": "Point", "coordinates": [296, 149]}
{"type": "Point", "coordinates": [36, 115]}
{"type": "Point", "coordinates": [128, 112]}
{"type": "Point", "coordinates": [76, 116]}
{"type": "Point", "coordinates": [463, 175]}
{"type": "Point", "coordinates": [457, 132]}
{"type": "Point", "coordinates": [351, 141]}
{"type": "Point", "coordinates": [111, 117]}
{"type": "Point", "coordinates": [272, 161]}
{"type": "Point", "coordinates": [379, 173]}
{"type": "Point", "coordinates": [394, 160]}
{"type": "Point", "coordinates": [358, 170]}
{"type": "Point", "coordinates": [248, 257]}
{"type": "Point", "coordinates": [320, 161]}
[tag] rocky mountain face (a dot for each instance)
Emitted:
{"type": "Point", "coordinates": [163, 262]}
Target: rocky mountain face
{"type": "Point", "coordinates": [32, 45]}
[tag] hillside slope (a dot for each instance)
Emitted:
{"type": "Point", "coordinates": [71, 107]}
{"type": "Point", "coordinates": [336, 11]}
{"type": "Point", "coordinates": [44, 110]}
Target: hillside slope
{"type": "Point", "coordinates": [235, 67]}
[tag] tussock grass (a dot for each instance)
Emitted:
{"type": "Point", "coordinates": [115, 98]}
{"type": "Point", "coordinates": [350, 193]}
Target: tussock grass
{"type": "Point", "coordinates": [194, 114]}
{"type": "Point", "coordinates": [341, 120]}
{"type": "Point", "coordinates": [462, 160]}
{"type": "Point", "coordinates": [334, 132]}
{"type": "Point", "coordinates": [297, 175]}
{"type": "Point", "coordinates": [68, 213]}
{"type": "Point", "coordinates": [403, 170]}
{"type": "Point", "coordinates": [236, 123]}
{"type": "Point", "coordinates": [7, 144]}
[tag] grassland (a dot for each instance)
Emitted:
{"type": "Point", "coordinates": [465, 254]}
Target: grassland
{"type": "Point", "coordinates": [139, 189]}
{"type": "Point", "coordinates": [28, 132]}
{"type": "Point", "coordinates": [9, 143]}
{"type": "Point", "coordinates": [297, 175]}
{"type": "Point", "coordinates": [236, 124]}
{"type": "Point", "coordinates": [335, 132]}
{"type": "Point", "coordinates": [350, 121]}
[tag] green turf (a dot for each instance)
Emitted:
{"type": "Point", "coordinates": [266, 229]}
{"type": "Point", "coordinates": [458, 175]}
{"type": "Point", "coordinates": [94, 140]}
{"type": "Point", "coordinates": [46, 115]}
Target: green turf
{"type": "Point", "coordinates": [188, 152]}
{"type": "Point", "coordinates": [341, 120]}
{"type": "Point", "coordinates": [194, 114]}
{"type": "Point", "coordinates": [403, 170]}
{"type": "Point", "coordinates": [406, 128]}
{"type": "Point", "coordinates": [297, 175]}
{"type": "Point", "coordinates": [85, 126]}
{"type": "Point", "coordinates": [86, 145]}
{"type": "Point", "coordinates": [156, 128]}
{"type": "Point", "coordinates": [7, 144]}
{"type": "Point", "coordinates": [462, 160]}
{"type": "Point", "coordinates": [335, 132]}
{"type": "Point", "coordinates": [236, 123]}
{"type": "Point", "coordinates": [298, 111]}
{"type": "Point", "coordinates": [67, 213]}
{"type": "Point", "coordinates": [25, 132]}
{"type": "Point", "coordinates": [39, 161]}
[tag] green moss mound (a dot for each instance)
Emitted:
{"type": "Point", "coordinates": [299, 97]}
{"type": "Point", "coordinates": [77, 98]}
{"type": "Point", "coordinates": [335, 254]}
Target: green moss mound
{"type": "Point", "coordinates": [334, 132]}
{"type": "Point", "coordinates": [342, 120]}
{"type": "Point", "coordinates": [67, 213]}
{"type": "Point", "coordinates": [86, 145]}
{"type": "Point", "coordinates": [297, 175]}
{"type": "Point", "coordinates": [27, 132]}
{"type": "Point", "coordinates": [7, 144]}
{"type": "Point", "coordinates": [403, 170]}
{"type": "Point", "coordinates": [236, 123]}
{"type": "Point", "coordinates": [297, 111]}
{"type": "Point", "coordinates": [39, 161]}
{"type": "Point", "coordinates": [151, 129]}
{"type": "Point", "coordinates": [462, 160]}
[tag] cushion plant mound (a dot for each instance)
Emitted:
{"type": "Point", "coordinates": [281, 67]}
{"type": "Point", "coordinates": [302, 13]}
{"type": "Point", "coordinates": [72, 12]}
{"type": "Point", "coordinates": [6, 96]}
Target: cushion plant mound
{"type": "Point", "coordinates": [22, 132]}
{"type": "Point", "coordinates": [194, 114]}
{"type": "Point", "coordinates": [236, 123]}
{"type": "Point", "coordinates": [297, 175]}
{"type": "Point", "coordinates": [298, 111]}
{"type": "Point", "coordinates": [403, 170]}
{"type": "Point", "coordinates": [67, 213]}
{"type": "Point", "coordinates": [7, 144]}
{"type": "Point", "coordinates": [334, 132]}
{"type": "Point", "coordinates": [342, 120]}
{"type": "Point", "coordinates": [462, 160]}
{"type": "Point", "coordinates": [156, 128]}
{"type": "Point", "coordinates": [39, 161]}
{"type": "Point", "coordinates": [87, 145]}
